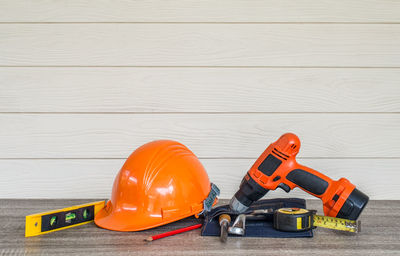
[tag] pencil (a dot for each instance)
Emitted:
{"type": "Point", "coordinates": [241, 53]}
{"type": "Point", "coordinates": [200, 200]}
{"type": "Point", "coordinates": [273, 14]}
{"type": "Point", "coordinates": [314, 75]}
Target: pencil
{"type": "Point", "coordinates": [173, 232]}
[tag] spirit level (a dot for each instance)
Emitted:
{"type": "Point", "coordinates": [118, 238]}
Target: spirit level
{"type": "Point", "coordinates": [46, 222]}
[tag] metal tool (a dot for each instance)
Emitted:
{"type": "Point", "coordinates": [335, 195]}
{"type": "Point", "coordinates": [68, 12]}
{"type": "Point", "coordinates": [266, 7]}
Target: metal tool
{"type": "Point", "coordinates": [297, 219]}
{"type": "Point", "coordinates": [46, 222]}
{"type": "Point", "coordinates": [239, 225]}
{"type": "Point", "coordinates": [260, 212]}
{"type": "Point", "coordinates": [224, 221]}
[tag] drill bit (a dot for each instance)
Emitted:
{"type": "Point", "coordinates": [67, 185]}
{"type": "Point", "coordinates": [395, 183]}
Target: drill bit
{"type": "Point", "coordinates": [224, 220]}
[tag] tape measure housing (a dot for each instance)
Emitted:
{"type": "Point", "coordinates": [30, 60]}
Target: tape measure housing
{"type": "Point", "coordinates": [293, 219]}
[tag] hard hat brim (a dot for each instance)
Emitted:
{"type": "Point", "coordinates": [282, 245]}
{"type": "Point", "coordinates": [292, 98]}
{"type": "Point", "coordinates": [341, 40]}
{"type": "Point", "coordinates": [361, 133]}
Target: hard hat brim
{"type": "Point", "coordinates": [118, 222]}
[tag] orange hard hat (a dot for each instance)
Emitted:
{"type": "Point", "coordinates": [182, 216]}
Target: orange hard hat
{"type": "Point", "coordinates": [161, 182]}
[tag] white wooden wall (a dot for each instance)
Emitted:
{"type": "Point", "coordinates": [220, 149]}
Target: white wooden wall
{"type": "Point", "coordinates": [83, 83]}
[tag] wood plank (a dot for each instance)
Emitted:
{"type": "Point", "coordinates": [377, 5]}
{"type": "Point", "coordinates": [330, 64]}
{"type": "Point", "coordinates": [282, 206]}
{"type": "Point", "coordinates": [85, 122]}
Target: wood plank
{"type": "Point", "coordinates": [208, 135]}
{"type": "Point", "coordinates": [379, 236]}
{"type": "Point", "coordinates": [93, 178]}
{"type": "Point", "coordinates": [308, 45]}
{"type": "Point", "coordinates": [200, 11]}
{"type": "Point", "coordinates": [199, 90]}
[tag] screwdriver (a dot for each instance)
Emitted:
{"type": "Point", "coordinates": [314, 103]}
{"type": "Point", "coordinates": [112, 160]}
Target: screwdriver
{"type": "Point", "coordinates": [224, 221]}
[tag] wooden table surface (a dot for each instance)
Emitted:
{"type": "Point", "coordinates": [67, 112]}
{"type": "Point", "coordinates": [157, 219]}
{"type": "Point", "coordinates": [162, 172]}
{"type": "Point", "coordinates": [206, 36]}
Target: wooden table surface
{"type": "Point", "coordinates": [380, 235]}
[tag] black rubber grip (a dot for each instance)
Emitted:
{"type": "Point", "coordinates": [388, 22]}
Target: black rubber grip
{"type": "Point", "coordinates": [308, 181]}
{"type": "Point", "coordinates": [269, 165]}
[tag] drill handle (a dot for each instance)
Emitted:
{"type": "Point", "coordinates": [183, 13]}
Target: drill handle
{"type": "Point", "coordinates": [309, 180]}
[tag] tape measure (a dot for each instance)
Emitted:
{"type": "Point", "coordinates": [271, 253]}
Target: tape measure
{"type": "Point", "coordinates": [46, 222]}
{"type": "Point", "coordinates": [297, 219]}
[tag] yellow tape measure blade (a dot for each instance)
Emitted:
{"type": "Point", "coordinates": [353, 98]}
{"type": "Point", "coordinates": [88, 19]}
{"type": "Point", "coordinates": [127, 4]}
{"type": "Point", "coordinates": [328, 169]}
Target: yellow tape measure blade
{"type": "Point", "coordinates": [337, 223]}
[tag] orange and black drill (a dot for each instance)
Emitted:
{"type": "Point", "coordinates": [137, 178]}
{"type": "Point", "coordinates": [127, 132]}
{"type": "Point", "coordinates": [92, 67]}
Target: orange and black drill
{"type": "Point", "coordinates": [277, 167]}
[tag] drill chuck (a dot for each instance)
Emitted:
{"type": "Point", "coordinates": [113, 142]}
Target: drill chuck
{"type": "Point", "coordinates": [249, 192]}
{"type": "Point", "coordinates": [237, 206]}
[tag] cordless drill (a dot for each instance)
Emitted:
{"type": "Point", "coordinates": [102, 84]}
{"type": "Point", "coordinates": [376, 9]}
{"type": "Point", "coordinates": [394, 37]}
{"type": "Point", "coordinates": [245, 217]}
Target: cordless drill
{"type": "Point", "coordinates": [277, 168]}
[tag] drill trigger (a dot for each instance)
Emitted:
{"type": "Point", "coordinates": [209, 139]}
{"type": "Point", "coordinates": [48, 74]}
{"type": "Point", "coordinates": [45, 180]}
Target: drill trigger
{"type": "Point", "coordinates": [285, 187]}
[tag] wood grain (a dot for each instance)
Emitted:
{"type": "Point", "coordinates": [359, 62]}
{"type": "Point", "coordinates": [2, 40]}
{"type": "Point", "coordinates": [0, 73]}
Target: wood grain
{"type": "Point", "coordinates": [93, 178]}
{"type": "Point", "coordinates": [379, 236]}
{"type": "Point", "coordinates": [199, 90]}
{"type": "Point", "coordinates": [200, 11]}
{"type": "Point", "coordinates": [341, 45]}
{"type": "Point", "coordinates": [208, 135]}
